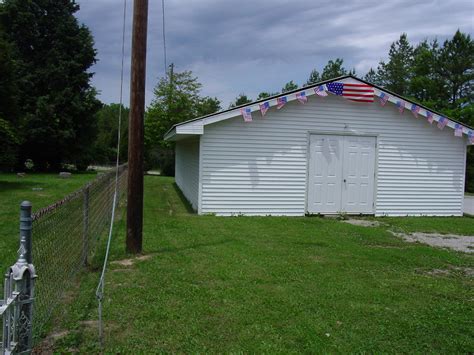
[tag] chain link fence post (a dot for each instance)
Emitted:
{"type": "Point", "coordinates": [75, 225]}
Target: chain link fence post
{"type": "Point", "coordinates": [85, 231]}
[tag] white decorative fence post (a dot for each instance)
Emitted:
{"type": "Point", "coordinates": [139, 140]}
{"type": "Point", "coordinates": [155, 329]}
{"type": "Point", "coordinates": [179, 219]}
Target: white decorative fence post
{"type": "Point", "coordinates": [16, 309]}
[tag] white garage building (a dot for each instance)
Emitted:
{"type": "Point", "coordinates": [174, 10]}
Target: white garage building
{"type": "Point", "coordinates": [323, 155]}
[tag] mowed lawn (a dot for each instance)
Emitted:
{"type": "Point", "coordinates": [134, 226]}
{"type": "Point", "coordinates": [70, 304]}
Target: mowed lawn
{"type": "Point", "coordinates": [41, 190]}
{"type": "Point", "coordinates": [275, 285]}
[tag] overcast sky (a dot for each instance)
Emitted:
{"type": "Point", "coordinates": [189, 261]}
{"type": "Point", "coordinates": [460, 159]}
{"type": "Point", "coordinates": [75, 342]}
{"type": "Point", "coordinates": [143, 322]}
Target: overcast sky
{"type": "Point", "coordinates": [251, 46]}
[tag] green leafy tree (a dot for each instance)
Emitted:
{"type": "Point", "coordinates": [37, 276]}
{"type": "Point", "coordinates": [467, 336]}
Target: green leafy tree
{"type": "Point", "coordinates": [425, 84]}
{"type": "Point", "coordinates": [396, 74]}
{"type": "Point", "coordinates": [10, 144]}
{"type": "Point", "coordinates": [456, 68]}
{"type": "Point", "coordinates": [176, 99]}
{"type": "Point", "coordinates": [208, 105]}
{"type": "Point", "coordinates": [105, 145]}
{"type": "Point", "coordinates": [314, 77]}
{"type": "Point", "coordinates": [242, 99]}
{"type": "Point", "coordinates": [371, 76]}
{"type": "Point", "coordinates": [333, 69]}
{"type": "Point", "coordinates": [8, 81]}
{"type": "Point", "coordinates": [53, 54]}
{"type": "Point", "coordinates": [289, 86]}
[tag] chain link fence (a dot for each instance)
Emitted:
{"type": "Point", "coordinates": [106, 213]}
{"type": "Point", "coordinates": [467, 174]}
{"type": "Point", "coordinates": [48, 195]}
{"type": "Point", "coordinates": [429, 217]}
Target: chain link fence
{"type": "Point", "coordinates": [64, 237]}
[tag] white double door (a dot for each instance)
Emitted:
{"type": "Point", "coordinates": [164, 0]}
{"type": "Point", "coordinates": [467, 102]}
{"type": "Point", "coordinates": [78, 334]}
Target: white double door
{"type": "Point", "coordinates": [341, 174]}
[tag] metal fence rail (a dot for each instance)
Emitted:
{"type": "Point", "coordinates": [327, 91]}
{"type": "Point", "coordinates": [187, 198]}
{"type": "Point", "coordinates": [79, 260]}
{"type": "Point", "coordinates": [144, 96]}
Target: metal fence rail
{"type": "Point", "coordinates": [64, 236]}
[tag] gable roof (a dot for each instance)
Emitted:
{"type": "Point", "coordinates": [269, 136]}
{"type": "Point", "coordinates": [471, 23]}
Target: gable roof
{"type": "Point", "coordinates": [196, 126]}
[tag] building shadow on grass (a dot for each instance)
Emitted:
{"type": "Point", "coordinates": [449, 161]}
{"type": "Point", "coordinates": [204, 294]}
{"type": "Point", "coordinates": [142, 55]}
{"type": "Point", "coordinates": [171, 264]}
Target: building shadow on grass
{"type": "Point", "coordinates": [184, 200]}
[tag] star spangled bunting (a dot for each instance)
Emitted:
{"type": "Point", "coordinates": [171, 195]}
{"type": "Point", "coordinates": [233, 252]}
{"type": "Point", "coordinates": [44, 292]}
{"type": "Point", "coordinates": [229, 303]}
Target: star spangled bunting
{"type": "Point", "coordinates": [401, 106]}
{"type": "Point", "coordinates": [383, 98]}
{"type": "Point", "coordinates": [301, 97]}
{"type": "Point", "coordinates": [353, 92]}
{"type": "Point", "coordinates": [281, 101]}
{"type": "Point", "coordinates": [264, 108]}
{"type": "Point", "coordinates": [321, 91]}
{"type": "Point", "coordinates": [442, 122]}
{"type": "Point", "coordinates": [246, 114]}
{"type": "Point", "coordinates": [415, 109]}
{"type": "Point", "coordinates": [429, 116]}
{"type": "Point", "coordinates": [458, 130]}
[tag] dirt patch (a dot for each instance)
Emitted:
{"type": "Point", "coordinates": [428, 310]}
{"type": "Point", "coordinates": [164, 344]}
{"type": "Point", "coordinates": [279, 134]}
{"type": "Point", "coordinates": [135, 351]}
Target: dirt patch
{"type": "Point", "coordinates": [130, 262]}
{"type": "Point", "coordinates": [438, 272]}
{"type": "Point", "coordinates": [362, 222]}
{"type": "Point", "coordinates": [466, 271]}
{"type": "Point", "coordinates": [121, 270]}
{"type": "Point", "coordinates": [452, 270]}
{"type": "Point", "coordinates": [124, 262]}
{"type": "Point", "coordinates": [456, 242]}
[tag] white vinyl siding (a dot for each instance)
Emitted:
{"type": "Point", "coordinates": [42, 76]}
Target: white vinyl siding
{"type": "Point", "coordinates": [260, 168]}
{"type": "Point", "coordinates": [187, 169]}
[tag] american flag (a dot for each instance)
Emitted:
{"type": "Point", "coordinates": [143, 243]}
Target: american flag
{"type": "Point", "coordinates": [301, 96]}
{"type": "Point", "coordinates": [442, 122]}
{"type": "Point", "coordinates": [354, 92]}
{"type": "Point", "coordinates": [281, 101]}
{"type": "Point", "coordinates": [401, 105]}
{"type": "Point", "coordinates": [429, 116]}
{"type": "Point", "coordinates": [415, 109]}
{"type": "Point", "coordinates": [247, 114]}
{"type": "Point", "coordinates": [458, 130]}
{"type": "Point", "coordinates": [321, 91]}
{"type": "Point", "coordinates": [264, 108]}
{"type": "Point", "coordinates": [383, 98]}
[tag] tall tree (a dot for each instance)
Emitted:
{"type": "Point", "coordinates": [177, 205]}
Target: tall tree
{"type": "Point", "coordinates": [207, 105]}
{"type": "Point", "coordinates": [53, 54]}
{"type": "Point", "coordinates": [456, 67]}
{"type": "Point", "coordinates": [396, 74]}
{"type": "Point", "coordinates": [176, 99]}
{"type": "Point", "coordinates": [314, 77]}
{"type": "Point", "coordinates": [242, 99]}
{"type": "Point", "coordinates": [105, 145]}
{"type": "Point", "coordinates": [371, 76]}
{"type": "Point", "coordinates": [289, 86]}
{"type": "Point", "coordinates": [425, 84]}
{"type": "Point", "coordinates": [9, 137]}
{"type": "Point", "coordinates": [333, 69]}
{"type": "Point", "coordinates": [8, 81]}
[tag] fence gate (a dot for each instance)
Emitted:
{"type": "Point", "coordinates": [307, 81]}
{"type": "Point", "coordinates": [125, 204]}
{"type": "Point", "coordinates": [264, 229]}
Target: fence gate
{"type": "Point", "coordinates": [16, 309]}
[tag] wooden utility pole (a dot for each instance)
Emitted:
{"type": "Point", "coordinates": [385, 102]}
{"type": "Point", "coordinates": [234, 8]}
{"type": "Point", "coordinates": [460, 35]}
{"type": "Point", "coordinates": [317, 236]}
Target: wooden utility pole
{"type": "Point", "coordinates": [135, 128]}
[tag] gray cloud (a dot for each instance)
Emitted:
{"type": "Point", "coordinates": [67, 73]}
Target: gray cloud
{"type": "Point", "coordinates": [252, 46]}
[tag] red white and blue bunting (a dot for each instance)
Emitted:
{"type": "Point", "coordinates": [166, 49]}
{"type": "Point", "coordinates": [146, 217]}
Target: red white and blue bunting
{"type": "Point", "coordinates": [362, 93]}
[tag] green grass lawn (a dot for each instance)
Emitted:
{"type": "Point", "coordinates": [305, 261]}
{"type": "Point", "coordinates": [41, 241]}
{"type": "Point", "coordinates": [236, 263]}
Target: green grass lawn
{"type": "Point", "coordinates": [275, 285]}
{"type": "Point", "coordinates": [14, 190]}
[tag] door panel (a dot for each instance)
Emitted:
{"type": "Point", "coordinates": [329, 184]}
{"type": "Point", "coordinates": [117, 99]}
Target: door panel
{"type": "Point", "coordinates": [358, 174]}
{"type": "Point", "coordinates": [341, 174]}
{"type": "Point", "coordinates": [325, 173]}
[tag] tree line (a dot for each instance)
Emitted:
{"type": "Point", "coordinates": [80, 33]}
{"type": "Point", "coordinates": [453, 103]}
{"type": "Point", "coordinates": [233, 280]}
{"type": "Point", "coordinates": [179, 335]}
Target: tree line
{"type": "Point", "coordinates": [50, 114]}
{"type": "Point", "coordinates": [439, 76]}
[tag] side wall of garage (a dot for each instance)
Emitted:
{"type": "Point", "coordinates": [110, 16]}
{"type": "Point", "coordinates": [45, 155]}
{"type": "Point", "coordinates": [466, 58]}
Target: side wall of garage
{"type": "Point", "coordinates": [260, 168]}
